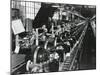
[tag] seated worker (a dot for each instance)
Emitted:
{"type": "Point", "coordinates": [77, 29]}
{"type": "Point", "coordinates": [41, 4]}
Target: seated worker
{"type": "Point", "coordinates": [59, 30]}
{"type": "Point", "coordinates": [54, 63]}
{"type": "Point", "coordinates": [52, 30]}
{"type": "Point", "coordinates": [33, 37]}
{"type": "Point", "coordinates": [44, 28]}
{"type": "Point", "coordinates": [42, 32]}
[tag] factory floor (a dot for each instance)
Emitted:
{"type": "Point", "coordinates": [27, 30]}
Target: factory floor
{"type": "Point", "coordinates": [88, 56]}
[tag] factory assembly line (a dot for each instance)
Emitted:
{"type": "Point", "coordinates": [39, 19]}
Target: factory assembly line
{"type": "Point", "coordinates": [60, 37]}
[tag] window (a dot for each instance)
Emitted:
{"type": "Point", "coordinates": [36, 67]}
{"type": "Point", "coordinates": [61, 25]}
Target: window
{"type": "Point", "coordinates": [29, 9]}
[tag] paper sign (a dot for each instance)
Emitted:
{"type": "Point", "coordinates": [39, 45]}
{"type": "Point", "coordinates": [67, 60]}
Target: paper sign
{"type": "Point", "coordinates": [17, 26]}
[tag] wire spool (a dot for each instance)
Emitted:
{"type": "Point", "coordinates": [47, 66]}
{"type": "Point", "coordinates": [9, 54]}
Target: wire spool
{"type": "Point", "coordinates": [40, 55]}
{"type": "Point", "coordinates": [27, 65]}
{"type": "Point", "coordinates": [33, 68]}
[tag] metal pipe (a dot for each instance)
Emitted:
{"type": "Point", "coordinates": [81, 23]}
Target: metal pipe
{"type": "Point", "coordinates": [37, 40]}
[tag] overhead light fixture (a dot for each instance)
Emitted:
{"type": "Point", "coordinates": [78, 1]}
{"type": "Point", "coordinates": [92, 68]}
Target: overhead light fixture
{"type": "Point", "coordinates": [56, 6]}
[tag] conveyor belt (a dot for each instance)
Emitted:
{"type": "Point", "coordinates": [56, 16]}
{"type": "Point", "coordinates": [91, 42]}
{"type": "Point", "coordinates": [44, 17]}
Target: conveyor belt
{"type": "Point", "coordinates": [77, 27]}
{"type": "Point", "coordinates": [68, 64]}
{"type": "Point", "coordinates": [79, 44]}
